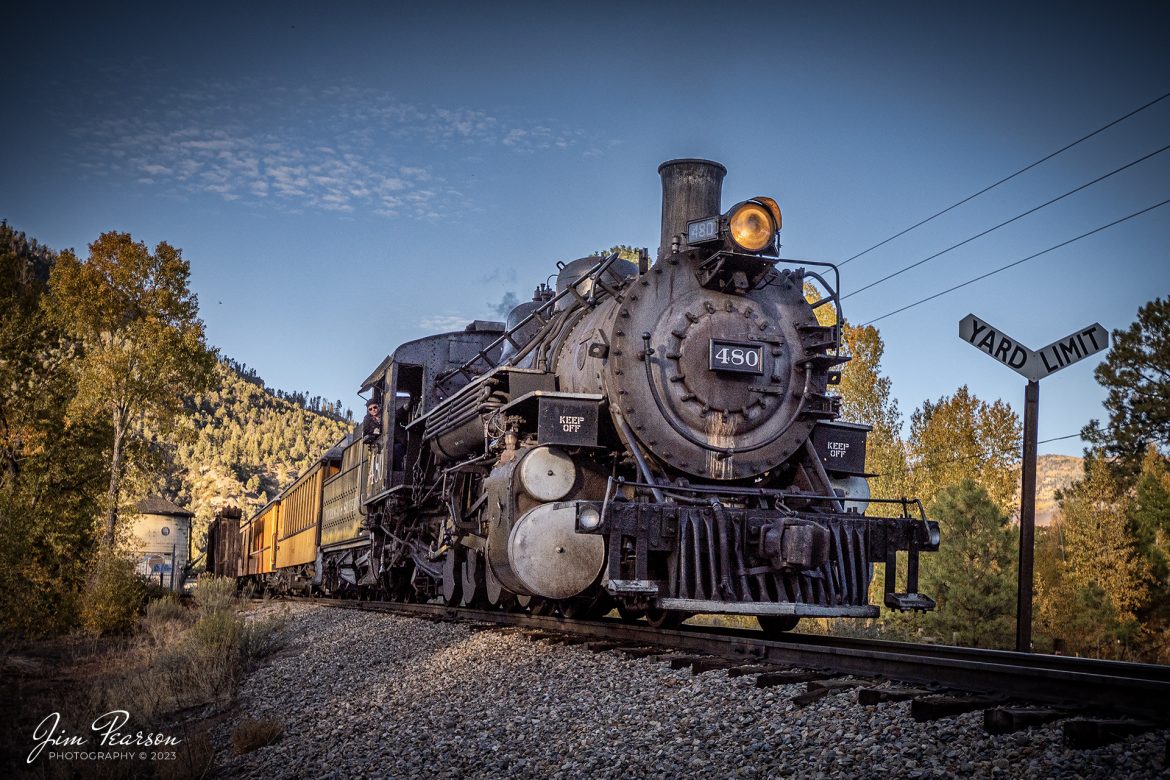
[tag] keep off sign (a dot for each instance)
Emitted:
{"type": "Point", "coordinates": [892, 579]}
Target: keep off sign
{"type": "Point", "coordinates": [1034, 365]}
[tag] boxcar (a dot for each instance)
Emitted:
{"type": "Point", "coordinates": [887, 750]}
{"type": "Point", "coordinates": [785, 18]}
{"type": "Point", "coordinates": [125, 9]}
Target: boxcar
{"type": "Point", "coordinates": [223, 543]}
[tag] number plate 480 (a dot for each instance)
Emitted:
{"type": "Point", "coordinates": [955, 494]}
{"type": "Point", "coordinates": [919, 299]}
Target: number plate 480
{"type": "Point", "coordinates": [737, 357]}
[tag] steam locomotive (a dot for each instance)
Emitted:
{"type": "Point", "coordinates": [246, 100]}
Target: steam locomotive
{"type": "Point", "coordinates": [656, 437]}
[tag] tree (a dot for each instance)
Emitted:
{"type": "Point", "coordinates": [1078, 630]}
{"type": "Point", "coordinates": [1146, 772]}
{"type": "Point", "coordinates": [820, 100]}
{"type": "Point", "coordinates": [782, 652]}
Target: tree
{"type": "Point", "coordinates": [1137, 375]}
{"type": "Point", "coordinates": [1102, 580]}
{"type": "Point", "coordinates": [1148, 525]}
{"type": "Point", "coordinates": [50, 467]}
{"type": "Point", "coordinates": [142, 343]}
{"type": "Point", "coordinates": [866, 397]}
{"type": "Point", "coordinates": [961, 436]}
{"type": "Point", "coordinates": [972, 576]}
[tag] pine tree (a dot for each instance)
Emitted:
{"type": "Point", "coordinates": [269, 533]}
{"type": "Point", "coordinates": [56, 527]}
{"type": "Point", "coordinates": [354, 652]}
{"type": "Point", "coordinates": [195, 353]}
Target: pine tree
{"type": "Point", "coordinates": [972, 576]}
{"type": "Point", "coordinates": [1136, 373]}
{"type": "Point", "coordinates": [1149, 528]}
{"type": "Point", "coordinates": [1100, 569]}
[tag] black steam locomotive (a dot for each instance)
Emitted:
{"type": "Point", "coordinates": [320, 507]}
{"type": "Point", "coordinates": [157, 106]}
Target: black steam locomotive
{"type": "Point", "coordinates": [657, 437]}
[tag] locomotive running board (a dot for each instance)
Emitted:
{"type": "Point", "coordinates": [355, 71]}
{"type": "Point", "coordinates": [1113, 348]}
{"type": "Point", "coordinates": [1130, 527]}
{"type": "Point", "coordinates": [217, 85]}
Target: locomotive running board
{"type": "Point", "coordinates": [766, 608]}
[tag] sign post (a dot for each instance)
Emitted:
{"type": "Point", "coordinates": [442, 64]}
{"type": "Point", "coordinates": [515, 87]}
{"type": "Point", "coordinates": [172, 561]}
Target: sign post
{"type": "Point", "coordinates": [1027, 519]}
{"type": "Point", "coordinates": [1034, 366]}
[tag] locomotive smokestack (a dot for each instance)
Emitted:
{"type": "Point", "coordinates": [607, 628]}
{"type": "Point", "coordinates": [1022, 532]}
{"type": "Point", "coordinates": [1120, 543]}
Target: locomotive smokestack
{"type": "Point", "coordinates": [691, 189]}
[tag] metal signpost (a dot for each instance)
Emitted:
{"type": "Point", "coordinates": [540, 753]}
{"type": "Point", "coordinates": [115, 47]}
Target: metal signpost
{"type": "Point", "coordinates": [1034, 366]}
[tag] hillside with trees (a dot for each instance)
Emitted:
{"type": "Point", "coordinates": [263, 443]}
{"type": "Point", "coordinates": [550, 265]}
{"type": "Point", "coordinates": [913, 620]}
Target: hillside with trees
{"type": "Point", "coordinates": [245, 442]}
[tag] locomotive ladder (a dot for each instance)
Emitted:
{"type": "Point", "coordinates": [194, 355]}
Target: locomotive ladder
{"type": "Point", "coordinates": [540, 316]}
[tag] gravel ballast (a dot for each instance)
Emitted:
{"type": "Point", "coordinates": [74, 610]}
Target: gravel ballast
{"type": "Point", "coordinates": [364, 694]}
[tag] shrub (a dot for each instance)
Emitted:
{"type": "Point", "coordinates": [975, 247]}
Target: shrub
{"type": "Point", "coordinates": [261, 637]}
{"type": "Point", "coordinates": [217, 594]}
{"type": "Point", "coordinates": [153, 591]}
{"type": "Point", "coordinates": [165, 618]}
{"type": "Point", "coordinates": [217, 633]}
{"type": "Point", "coordinates": [167, 608]}
{"type": "Point", "coordinates": [253, 734]}
{"type": "Point", "coordinates": [114, 596]}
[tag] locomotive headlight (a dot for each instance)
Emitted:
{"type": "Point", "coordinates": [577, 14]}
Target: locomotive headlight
{"type": "Point", "coordinates": [751, 227]}
{"type": "Point", "coordinates": [588, 518]}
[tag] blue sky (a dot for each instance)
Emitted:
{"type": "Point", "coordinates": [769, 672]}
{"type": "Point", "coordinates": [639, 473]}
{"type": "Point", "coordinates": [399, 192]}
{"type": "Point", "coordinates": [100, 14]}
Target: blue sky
{"type": "Point", "coordinates": [345, 179]}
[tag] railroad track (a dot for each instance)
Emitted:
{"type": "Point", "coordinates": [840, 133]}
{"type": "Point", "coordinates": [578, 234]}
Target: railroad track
{"type": "Point", "coordinates": [940, 680]}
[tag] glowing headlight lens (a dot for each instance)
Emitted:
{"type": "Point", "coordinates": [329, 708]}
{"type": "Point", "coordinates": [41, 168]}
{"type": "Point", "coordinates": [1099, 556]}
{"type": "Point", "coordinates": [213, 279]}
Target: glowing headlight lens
{"type": "Point", "coordinates": [751, 227]}
{"type": "Point", "coordinates": [589, 518]}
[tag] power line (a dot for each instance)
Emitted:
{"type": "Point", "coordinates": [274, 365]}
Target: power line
{"type": "Point", "coordinates": [1017, 262]}
{"type": "Point", "coordinates": [1008, 178]}
{"type": "Point", "coordinates": [1008, 222]}
{"type": "Point", "coordinates": [928, 464]}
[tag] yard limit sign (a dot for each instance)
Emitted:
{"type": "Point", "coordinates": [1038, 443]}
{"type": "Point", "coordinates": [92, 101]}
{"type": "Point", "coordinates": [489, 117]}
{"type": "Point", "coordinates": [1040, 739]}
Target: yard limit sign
{"type": "Point", "coordinates": [1034, 365]}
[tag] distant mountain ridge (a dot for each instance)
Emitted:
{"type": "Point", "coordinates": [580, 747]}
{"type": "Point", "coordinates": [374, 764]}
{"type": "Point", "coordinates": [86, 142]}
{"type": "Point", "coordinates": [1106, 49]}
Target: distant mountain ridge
{"type": "Point", "coordinates": [1054, 473]}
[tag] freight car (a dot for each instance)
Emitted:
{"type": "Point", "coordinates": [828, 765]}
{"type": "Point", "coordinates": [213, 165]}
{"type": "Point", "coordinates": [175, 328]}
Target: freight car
{"type": "Point", "coordinates": [660, 437]}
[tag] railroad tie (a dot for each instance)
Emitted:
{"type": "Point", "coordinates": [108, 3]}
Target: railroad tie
{"type": "Point", "coordinates": [642, 652]}
{"type": "Point", "coordinates": [741, 671]}
{"type": "Point", "coordinates": [566, 640]}
{"type": "Point", "coordinates": [816, 690]}
{"type": "Point", "coordinates": [602, 646]}
{"type": "Point", "coordinates": [937, 707]}
{"type": "Point", "coordinates": [771, 679]}
{"type": "Point", "coordinates": [703, 666]}
{"type": "Point", "coordinates": [1089, 733]}
{"type": "Point", "coordinates": [684, 661]}
{"type": "Point", "coordinates": [867, 697]}
{"type": "Point", "coordinates": [1007, 720]}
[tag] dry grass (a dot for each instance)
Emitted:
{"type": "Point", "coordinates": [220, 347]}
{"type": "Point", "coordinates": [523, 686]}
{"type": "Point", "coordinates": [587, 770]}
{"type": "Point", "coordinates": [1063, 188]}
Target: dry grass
{"type": "Point", "coordinates": [180, 667]}
{"type": "Point", "coordinates": [195, 761]}
{"type": "Point", "coordinates": [185, 659]}
{"type": "Point", "coordinates": [254, 734]}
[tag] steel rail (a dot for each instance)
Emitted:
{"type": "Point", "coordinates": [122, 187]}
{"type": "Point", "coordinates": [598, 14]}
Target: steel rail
{"type": "Point", "coordinates": [1135, 689]}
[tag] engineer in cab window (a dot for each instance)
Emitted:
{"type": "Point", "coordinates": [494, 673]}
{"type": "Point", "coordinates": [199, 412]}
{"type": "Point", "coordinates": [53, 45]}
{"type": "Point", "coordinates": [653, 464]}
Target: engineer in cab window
{"type": "Point", "coordinates": [372, 423]}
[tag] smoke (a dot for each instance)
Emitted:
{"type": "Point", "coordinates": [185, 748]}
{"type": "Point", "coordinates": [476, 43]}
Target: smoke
{"type": "Point", "coordinates": [506, 304]}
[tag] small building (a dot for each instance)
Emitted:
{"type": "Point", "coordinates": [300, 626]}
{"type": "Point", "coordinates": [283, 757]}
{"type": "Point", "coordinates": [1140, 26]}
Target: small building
{"type": "Point", "coordinates": [161, 541]}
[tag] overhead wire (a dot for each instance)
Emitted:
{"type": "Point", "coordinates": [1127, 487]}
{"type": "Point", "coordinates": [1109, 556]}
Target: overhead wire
{"type": "Point", "coordinates": [927, 463]}
{"type": "Point", "coordinates": [1016, 263]}
{"type": "Point", "coordinates": [990, 187]}
{"type": "Point", "coordinates": [1033, 210]}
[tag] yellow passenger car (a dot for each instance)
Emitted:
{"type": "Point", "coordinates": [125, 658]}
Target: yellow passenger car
{"type": "Point", "coordinates": [300, 516]}
{"type": "Point", "coordinates": [341, 519]}
{"type": "Point", "coordinates": [258, 540]}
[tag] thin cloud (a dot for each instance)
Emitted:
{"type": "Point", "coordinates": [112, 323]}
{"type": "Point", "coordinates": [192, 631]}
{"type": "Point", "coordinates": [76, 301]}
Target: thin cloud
{"type": "Point", "coordinates": [445, 322]}
{"type": "Point", "coordinates": [341, 149]}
